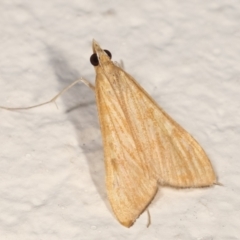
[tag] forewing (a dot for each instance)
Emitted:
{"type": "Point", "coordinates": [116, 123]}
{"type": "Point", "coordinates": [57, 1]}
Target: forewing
{"type": "Point", "coordinates": [143, 146]}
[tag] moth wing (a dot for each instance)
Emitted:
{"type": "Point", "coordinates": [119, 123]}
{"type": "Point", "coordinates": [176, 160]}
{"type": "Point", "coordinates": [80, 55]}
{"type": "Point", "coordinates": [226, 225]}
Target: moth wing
{"type": "Point", "coordinates": [143, 146]}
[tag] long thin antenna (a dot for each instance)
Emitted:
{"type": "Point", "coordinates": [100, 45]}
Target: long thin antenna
{"type": "Point", "coordinates": [54, 98]}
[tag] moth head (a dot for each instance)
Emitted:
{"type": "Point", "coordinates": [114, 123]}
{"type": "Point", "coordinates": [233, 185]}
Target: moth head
{"type": "Point", "coordinates": [99, 56]}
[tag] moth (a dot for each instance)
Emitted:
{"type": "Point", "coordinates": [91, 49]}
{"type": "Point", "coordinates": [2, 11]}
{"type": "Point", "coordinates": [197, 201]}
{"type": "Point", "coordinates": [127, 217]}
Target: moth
{"type": "Point", "coordinates": [144, 148]}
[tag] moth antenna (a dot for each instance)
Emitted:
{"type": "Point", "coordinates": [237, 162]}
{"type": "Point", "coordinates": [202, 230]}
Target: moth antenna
{"type": "Point", "coordinates": [54, 98]}
{"type": "Point", "coordinates": [88, 84]}
{"type": "Point", "coordinates": [56, 105]}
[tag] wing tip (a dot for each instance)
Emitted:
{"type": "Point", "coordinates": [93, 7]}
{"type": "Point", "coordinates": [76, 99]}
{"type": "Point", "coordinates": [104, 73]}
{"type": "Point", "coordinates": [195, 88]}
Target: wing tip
{"type": "Point", "coordinates": [127, 224]}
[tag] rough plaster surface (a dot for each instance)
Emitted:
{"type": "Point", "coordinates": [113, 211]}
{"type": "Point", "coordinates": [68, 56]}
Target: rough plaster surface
{"type": "Point", "coordinates": [186, 54]}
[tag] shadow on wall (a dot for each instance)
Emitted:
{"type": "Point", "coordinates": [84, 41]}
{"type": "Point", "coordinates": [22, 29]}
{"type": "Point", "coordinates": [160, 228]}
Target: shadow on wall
{"type": "Point", "coordinates": [81, 110]}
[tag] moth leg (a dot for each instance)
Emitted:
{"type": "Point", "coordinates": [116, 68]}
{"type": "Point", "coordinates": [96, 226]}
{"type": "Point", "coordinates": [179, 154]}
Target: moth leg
{"type": "Point", "coordinates": [54, 98]}
{"type": "Point", "coordinates": [149, 218]}
{"type": "Point", "coordinates": [119, 64]}
{"type": "Point", "coordinates": [219, 184]}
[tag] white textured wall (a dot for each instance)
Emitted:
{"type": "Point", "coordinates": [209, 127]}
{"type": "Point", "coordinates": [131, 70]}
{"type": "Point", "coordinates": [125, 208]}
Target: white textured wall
{"type": "Point", "coordinates": [186, 54]}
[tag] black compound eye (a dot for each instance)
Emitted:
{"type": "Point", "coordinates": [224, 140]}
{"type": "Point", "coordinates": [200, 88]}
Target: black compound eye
{"type": "Point", "coordinates": [94, 59]}
{"type": "Point", "coordinates": [108, 53]}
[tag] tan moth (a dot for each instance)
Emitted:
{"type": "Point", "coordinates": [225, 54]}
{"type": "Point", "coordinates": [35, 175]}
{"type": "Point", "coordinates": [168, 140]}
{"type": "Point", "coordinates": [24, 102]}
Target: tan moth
{"type": "Point", "coordinates": [144, 148]}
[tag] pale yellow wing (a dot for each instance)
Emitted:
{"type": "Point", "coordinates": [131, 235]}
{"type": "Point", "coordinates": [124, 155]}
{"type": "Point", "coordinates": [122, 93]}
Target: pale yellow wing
{"type": "Point", "coordinates": [143, 146]}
